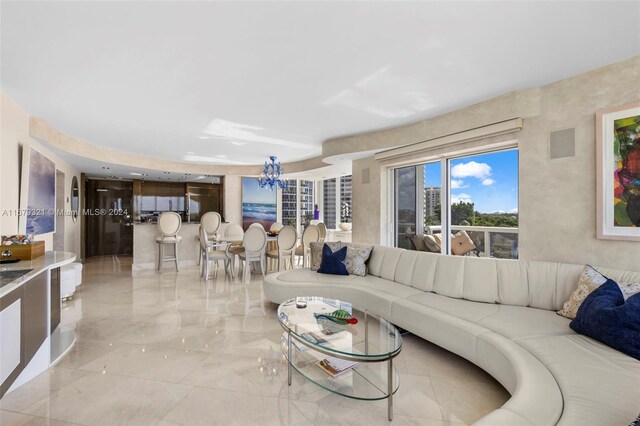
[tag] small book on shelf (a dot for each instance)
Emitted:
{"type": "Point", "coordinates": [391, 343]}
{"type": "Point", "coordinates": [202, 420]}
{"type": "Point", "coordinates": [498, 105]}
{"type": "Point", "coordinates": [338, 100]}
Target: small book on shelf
{"type": "Point", "coordinates": [334, 366]}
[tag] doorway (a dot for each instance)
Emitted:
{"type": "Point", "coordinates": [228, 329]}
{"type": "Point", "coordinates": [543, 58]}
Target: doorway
{"type": "Point", "coordinates": [58, 236]}
{"type": "Point", "coordinates": [109, 218]}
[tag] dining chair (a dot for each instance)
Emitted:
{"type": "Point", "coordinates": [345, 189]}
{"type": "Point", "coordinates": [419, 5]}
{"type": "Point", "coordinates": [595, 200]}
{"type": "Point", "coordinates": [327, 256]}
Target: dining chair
{"type": "Point", "coordinates": [213, 252]}
{"type": "Point", "coordinates": [286, 243]}
{"type": "Point", "coordinates": [169, 224]}
{"type": "Point", "coordinates": [234, 230]}
{"type": "Point", "coordinates": [254, 243]}
{"type": "Point", "coordinates": [322, 229]}
{"type": "Point", "coordinates": [310, 235]}
{"type": "Point", "coordinates": [276, 227]}
{"type": "Point", "coordinates": [211, 222]}
{"type": "Point", "coordinates": [256, 225]}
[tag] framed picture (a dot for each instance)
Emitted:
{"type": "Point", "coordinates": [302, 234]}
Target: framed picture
{"type": "Point", "coordinates": [37, 193]}
{"type": "Point", "coordinates": [258, 204]}
{"type": "Point", "coordinates": [618, 172]}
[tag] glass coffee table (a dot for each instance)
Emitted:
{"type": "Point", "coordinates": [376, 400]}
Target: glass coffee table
{"type": "Point", "coordinates": [352, 357]}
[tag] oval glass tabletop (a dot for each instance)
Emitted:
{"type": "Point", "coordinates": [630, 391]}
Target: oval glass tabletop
{"type": "Point", "coordinates": [336, 328]}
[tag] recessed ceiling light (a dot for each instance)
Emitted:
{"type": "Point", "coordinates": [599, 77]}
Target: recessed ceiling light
{"type": "Point", "coordinates": [135, 174]}
{"type": "Point", "coordinates": [145, 174]}
{"type": "Point", "coordinates": [105, 168]}
{"type": "Point", "coordinates": [167, 173]}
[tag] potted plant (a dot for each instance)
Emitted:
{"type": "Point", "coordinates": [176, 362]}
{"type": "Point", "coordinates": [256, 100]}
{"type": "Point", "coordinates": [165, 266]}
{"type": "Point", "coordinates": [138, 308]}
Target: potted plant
{"type": "Point", "coordinates": [345, 216]}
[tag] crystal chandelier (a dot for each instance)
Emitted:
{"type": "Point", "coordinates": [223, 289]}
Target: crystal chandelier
{"type": "Point", "coordinates": [270, 175]}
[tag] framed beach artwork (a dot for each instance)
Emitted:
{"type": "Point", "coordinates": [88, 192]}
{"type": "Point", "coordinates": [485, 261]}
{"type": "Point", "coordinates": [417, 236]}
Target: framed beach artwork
{"type": "Point", "coordinates": [258, 204]}
{"type": "Point", "coordinates": [618, 177]}
{"type": "Point", "coordinates": [37, 193]}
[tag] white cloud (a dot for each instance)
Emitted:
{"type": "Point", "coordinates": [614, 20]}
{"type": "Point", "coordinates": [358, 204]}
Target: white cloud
{"type": "Point", "coordinates": [457, 184]}
{"type": "Point", "coordinates": [488, 181]}
{"type": "Point", "coordinates": [456, 198]}
{"type": "Point", "coordinates": [513, 210]}
{"type": "Point", "coordinates": [471, 169]}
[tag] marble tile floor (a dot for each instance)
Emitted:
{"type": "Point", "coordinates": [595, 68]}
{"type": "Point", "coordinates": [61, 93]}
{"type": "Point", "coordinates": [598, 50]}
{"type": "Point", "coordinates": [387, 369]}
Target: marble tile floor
{"type": "Point", "coordinates": [171, 349]}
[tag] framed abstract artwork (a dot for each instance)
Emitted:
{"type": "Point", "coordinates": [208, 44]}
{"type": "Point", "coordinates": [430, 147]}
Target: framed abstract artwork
{"type": "Point", "coordinates": [37, 193]}
{"type": "Point", "coordinates": [618, 172]}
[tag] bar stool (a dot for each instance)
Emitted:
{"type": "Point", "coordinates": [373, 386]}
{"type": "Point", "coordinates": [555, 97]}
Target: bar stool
{"type": "Point", "coordinates": [169, 224]}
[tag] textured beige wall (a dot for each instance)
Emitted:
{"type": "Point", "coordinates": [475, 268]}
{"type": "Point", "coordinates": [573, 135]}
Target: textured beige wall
{"type": "Point", "coordinates": [367, 203]}
{"type": "Point", "coordinates": [233, 199]}
{"type": "Point", "coordinates": [14, 133]}
{"type": "Point", "coordinates": [557, 197]}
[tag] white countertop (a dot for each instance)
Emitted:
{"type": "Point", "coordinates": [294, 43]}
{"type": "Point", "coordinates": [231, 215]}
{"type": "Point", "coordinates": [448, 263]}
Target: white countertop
{"type": "Point", "coordinates": [50, 260]}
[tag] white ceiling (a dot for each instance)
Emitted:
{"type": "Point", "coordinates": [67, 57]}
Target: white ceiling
{"type": "Point", "coordinates": [231, 83]}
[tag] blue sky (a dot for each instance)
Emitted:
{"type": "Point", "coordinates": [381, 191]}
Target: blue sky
{"type": "Point", "coordinates": [488, 180]}
{"type": "Point", "coordinates": [251, 192]}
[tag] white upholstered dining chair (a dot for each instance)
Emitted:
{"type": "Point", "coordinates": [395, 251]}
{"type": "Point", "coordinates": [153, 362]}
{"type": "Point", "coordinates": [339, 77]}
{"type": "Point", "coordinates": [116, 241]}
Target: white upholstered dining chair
{"type": "Point", "coordinates": [322, 229]}
{"type": "Point", "coordinates": [310, 235]}
{"type": "Point", "coordinates": [287, 239]}
{"type": "Point", "coordinates": [254, 244]}
{"type": "Point", "coordinates": [213, 252]}
{"type": "Point", "coordinates": [211, 221]}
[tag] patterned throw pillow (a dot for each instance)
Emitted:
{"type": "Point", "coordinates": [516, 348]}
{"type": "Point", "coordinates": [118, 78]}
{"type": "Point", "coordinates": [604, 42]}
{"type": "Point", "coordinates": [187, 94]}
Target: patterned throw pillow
{"type": "Point", "coordinates": [462, 244]}
{"type": "Point", "coordinates": [419, 243]}
{"type": "Point", "coordinates": [590, 279]}
{"type": "Point", "coordinates": [629, 289]}
{"type": "Point", "coordinates": [432, 244]}
{"type": "Point", "coordinates": [316, 252]}
{"type": "Point", "coordinates": [356, 260]}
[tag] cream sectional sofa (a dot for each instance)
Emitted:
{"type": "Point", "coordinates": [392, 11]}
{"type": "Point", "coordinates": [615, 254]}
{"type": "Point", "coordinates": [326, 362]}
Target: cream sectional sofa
{"type": "Point", "coordinates": [500, 315]}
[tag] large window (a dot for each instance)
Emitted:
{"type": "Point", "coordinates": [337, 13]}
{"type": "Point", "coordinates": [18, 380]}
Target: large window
{"type": "Point", "coordinates": [329, 203]}
{"type": "Point", "coordinates": [335, 193]}
{"type": "Point", "coordinates": [482, 190]}
{"type": "Point", "coordinates": [297, 203]}
{"type": "Point", "coordinates": [290, 203]}
{"type": "Point", "coordinates": [306, 202]}
{"type": "Point", "coordinates": [345, 198]}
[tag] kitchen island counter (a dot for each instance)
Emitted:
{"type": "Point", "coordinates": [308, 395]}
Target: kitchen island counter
{"type": "Point", "coordinates": [31, 336]}
{"type": "Point", "coordinates": [145, 248]}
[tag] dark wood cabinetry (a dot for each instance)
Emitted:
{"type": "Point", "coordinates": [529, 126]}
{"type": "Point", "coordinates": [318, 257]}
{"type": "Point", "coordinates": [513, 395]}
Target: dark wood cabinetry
{"type": "Point", "coordinates": [204, 198]}
{"type": "Point", "coordinates": [190, 199]}
{"type": "Point", "coordinates": [162, 196]}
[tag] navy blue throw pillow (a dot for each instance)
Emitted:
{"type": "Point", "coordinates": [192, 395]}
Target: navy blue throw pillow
{"type": "Point", "coordinates": [605, 316]}
{"type": "Point", "coordinates": [333, 262]}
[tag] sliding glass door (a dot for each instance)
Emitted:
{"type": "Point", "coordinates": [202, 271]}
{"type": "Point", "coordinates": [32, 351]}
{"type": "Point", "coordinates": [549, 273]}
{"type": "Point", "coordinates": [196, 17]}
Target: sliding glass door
{"type": "Point", "coordinates": [482, 208]}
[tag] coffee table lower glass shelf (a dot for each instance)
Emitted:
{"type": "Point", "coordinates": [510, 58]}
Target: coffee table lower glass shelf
{"type": "Point", "coordinates": [370, 344]}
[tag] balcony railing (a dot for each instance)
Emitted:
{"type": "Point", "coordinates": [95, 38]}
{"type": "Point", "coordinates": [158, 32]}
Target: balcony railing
{"type": "Point", "coordinates": [502, 242]}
